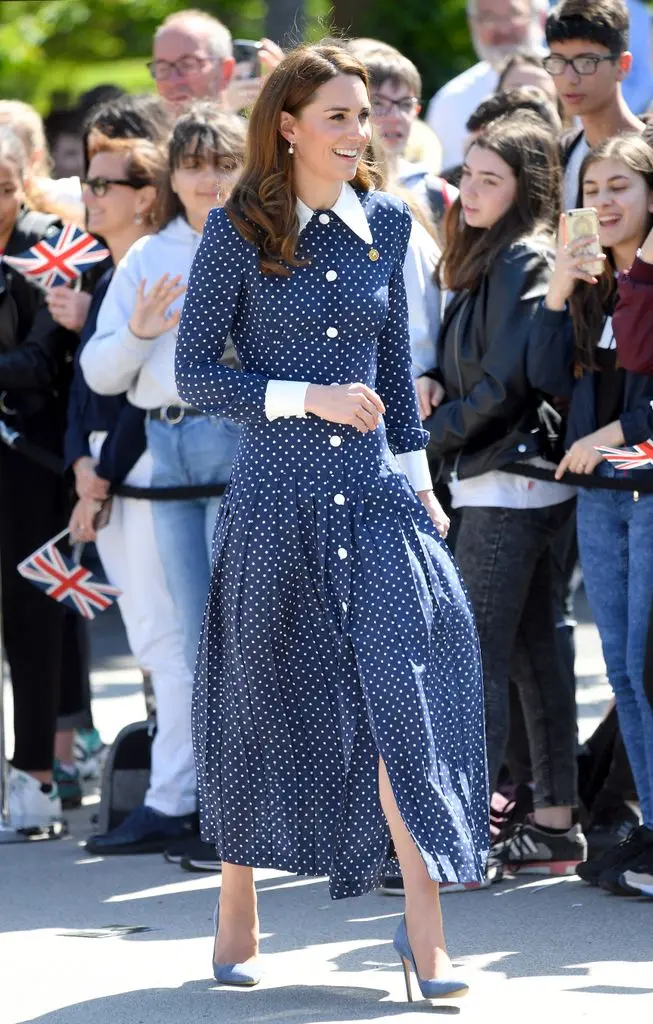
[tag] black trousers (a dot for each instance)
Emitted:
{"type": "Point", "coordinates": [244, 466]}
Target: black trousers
{"type": "Point", "coordinates": [43, 640]}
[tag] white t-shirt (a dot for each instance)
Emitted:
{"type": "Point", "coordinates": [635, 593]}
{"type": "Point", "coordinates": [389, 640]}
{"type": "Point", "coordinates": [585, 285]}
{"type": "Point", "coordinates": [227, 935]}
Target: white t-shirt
{"type": "Point", "coordinates": [571, 183]}
{"type": "Point", "coordinates": [451, 108]}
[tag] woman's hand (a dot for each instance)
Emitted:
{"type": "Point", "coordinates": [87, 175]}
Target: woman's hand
{"type": "Point", "coordinates": [67, 307]}
{"type": "Point", "coordinates": [583, 457]}
{"type": "Point", "coordinates": [571, 260]}
{"type": "Point", "coordinates": [429, 395]}
{"type": "Point", "coordinates": [149, 319]}
{"type": "Point", "coordinates": [438, 516]}
{"type": "Point", "coordinates": [89, 486]}
{"type": "Point", "coordinates": [81, 527]}
{"type": "Point", "coordinates": [353, 404]}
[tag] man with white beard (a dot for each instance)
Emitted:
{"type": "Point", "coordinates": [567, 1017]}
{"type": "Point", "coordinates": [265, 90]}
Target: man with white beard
{"type": "Point", "coordinates": [498, 28]}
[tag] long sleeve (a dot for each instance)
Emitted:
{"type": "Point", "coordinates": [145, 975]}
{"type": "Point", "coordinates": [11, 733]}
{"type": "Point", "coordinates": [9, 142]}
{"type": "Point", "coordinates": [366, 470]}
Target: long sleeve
{"type": "Point", "coordinates": [210, 309]}
{"type": "Point", "coordinates": [75, 438]}
{"type": "Point", "coordinates": [550, 353]}
{"type": "Point", "coordinates": [423, 297]}
{"type": "Point", "coordinates": [394, 378]}
{"type": "Point", "coordinates": [631, 320]}
{"type": "Point", "coordinates": [517, 285]}
{"type": "Point", "coordinates": [113, 356]}
{"type": "Point", "coordinates": [35, 363]}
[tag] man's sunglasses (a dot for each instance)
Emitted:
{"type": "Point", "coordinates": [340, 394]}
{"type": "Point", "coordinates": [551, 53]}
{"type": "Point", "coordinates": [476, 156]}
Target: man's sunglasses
{"type": "Point", "coordinates": [100, 186]}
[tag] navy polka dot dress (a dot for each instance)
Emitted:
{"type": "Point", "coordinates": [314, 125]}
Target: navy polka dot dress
{"type": "Point", "coordinates": [337, 628]}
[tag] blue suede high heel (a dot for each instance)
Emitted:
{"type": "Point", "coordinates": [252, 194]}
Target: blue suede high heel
{"type": "Point", "coordinates": [435, 988]}
{"type": "Point", "coordinates": [243, 975]}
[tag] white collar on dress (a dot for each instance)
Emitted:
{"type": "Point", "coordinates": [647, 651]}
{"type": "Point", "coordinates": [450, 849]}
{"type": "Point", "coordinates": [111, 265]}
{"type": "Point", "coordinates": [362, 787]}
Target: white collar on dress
{"type": "Point", "coordinates": [347, 208]}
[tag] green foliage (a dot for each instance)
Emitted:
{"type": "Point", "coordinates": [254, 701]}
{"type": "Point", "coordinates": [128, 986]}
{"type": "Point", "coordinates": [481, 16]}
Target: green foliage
{"type": "Point", "coordinates": [433, 33]}
{"type": "Point", "coordinates": [59, 48]}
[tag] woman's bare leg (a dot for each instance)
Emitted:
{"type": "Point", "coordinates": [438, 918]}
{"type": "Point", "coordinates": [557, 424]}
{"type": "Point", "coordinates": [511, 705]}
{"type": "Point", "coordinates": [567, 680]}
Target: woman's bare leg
{"type": "Point", "coordinates": [237, 938]}
{"type": "Point", "coordinates": [423, 913]}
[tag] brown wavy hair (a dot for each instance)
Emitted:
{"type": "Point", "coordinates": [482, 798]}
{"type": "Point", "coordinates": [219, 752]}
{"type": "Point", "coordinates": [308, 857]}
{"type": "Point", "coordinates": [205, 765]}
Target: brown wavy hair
{"type": "Point", "coordinates": [589, 303]}
{"type": "Point", "coordinates": [530, 149]}
{"type": "Point", "coordinates": [262, 205]}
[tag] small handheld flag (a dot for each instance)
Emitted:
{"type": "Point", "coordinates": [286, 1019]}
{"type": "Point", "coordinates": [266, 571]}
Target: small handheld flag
{"type": "Point", "coordinates": [66, 582]}
{"type": "Point", "coordinates": [60, 259]}
{"type": "Point", "coordinates": [640, 456]}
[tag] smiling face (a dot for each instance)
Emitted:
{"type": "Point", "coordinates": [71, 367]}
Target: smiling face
{"type": "Point", "coordinates": [203, 181]}
{"type": "Point", "coordinates": [488, 188]}
{"type": "Point", "coordinates": [197, 74]}
{"type": "Point", "coordinates": [623, 201]}
{"type": "Point", "coordinates": [331, 133]}
{"type": "Point", "coordinates": [584, 95]}
{"type": "Point", "coordinates": [394, 109]}
{"type": "Point", "coordinates": [115, 212]}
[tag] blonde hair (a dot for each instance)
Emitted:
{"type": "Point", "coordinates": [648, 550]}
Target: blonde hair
{"type": "Point", "coordinates": [27, 124]}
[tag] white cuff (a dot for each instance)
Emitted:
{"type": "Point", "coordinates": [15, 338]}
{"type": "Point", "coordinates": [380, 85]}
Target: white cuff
{"type": "Point", "coordinates": [416, 467]}
{"type": "Point", "coordinates": [285, 398]}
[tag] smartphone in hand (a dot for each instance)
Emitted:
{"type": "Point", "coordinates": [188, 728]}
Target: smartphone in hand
{"type": "Point", "coordinates": [584, 223]}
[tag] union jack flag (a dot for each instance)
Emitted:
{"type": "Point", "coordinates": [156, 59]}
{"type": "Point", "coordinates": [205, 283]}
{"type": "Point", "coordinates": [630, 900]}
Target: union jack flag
{"type": "Point", "coordinates": [66, 582]}
{"type": "Point", "coordinates": [60, 259]}
{"type": "Point", "coordinates": [640, 456]}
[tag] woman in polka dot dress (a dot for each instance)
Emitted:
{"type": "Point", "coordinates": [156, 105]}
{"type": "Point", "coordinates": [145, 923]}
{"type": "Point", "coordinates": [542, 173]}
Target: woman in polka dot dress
{"type": "Point", "coordinates": [338, 689]}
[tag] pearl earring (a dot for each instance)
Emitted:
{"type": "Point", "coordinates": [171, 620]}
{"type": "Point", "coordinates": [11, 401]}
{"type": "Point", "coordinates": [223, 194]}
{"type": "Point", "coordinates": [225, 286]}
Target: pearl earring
{"type": "Point", "coordinates": [291, 149]}
{"type": "Point", "coordinates": [138, 218]}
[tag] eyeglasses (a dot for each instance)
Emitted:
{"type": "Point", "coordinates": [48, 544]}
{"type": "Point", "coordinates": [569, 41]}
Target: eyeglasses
{"type": "Point", "coordinates": [585, 64]}
{"type": "Point", "coordinates": [185, 67]}
{"type": "Point", "coordinates": [383, 105]}
{"type": "Point", "coordinates": [100, 186]}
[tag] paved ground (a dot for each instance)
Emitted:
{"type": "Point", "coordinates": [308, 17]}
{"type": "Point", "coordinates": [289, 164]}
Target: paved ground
{"type": "Point", "coordinates": [127, 940]}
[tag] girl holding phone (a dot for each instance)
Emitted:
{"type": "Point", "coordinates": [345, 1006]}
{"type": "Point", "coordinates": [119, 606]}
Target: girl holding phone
{"type": "Point", "coordinates": [573, 352]}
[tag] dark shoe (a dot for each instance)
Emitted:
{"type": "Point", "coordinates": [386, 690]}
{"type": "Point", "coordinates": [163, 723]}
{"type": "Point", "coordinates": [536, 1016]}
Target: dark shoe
{"type": "Point", "coordinates": [609, 828]}
{"type": "Point", "coordinates": [393, 885]}
{"type": "Point", "coordinates": [201, 856]}
{"type": "Point", "coordinates": [638, 878]}
{"type": "Point", "coordinates": [144, 830]}
{"type": "Point", "coordinates": [535, 851]}
{"type": "Point", "coordinates": [610, 878]}
{"type": "Point", "coordinates": [617, 858]}
{"type": "Point", "coordinates": [508, 811]}
{"type": "Point", "coordinates": [69, 785]}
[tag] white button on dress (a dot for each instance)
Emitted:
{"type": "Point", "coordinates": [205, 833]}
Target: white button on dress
{"type": "Point", "coordinates": [331, 275]}
{"type": "Point", "coordinates": [342, 553]}
{"type": "Point", "coordinates": [332, 332]}
{"type": "Point", "coordinates": [324, 218]}
{"type": "Point", "coordinates": [339, 499]}
{"type": "Point", "coordinates": [335, 441]}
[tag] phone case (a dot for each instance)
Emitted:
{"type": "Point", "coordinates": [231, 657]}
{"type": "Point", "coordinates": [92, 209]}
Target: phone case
{"type": "Point", "coordinates": [580, 224]}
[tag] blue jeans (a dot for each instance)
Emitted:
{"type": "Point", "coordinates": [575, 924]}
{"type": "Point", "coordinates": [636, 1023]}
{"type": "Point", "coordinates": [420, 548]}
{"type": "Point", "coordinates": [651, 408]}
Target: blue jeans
{"type": "Point", "coordinates": [199, 450]}
{"type": "Point", "coordinates": [615, 536]}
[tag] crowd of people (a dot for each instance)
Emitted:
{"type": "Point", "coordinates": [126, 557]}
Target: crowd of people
{"type": "Point", "coordinates": [527, 356]}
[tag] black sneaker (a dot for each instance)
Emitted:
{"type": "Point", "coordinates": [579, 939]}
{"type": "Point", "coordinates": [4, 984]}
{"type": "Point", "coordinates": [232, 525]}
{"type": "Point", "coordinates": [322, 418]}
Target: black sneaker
{"type": "Point", "coordinates": [610, 877]}
{"type": "Point", "coordinates": [393, 885]}
{"type": "Point", "coordinates": [535, 851]}
{"type": "Point", "coordinates": [618, 857]}
{"type": "Point", "coordinates": [144, 830]}
{"type": "Point", "coordinates": [609, 828]}
{"type": "Point", "coordinates": [200, 856]}
{"type": "Point", "coordinates": [638, 878]}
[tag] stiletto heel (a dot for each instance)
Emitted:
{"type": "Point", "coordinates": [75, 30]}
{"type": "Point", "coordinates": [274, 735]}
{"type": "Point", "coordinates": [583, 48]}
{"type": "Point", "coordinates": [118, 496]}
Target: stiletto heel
{"type": "Point", "coordinates": [409, 989]}
{"type": "Point", "coordinates": [244, 975]}
{"type": "Point", "coordinates": [434, 988]}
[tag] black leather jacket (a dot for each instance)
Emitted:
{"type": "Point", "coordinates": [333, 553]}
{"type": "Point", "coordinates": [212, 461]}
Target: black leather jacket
{"type": "Point", "coordinates": [491, 415]}
{"type": "Point", "coordinates": [35, 352]}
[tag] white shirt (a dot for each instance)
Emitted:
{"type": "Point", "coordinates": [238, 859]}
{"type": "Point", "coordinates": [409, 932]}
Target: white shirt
{"type": "Point", "coordinates": [571, 183]}
{"type": "Point", "coordinates": [287, 398]}
{"type": "Point", "coordinates": [452, 106]}
{"type": "Point", "coordinates": [498, 489]}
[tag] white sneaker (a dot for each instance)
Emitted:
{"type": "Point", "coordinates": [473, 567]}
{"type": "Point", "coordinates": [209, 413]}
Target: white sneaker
{"type": "Point", "coordinates": [29, 806]}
